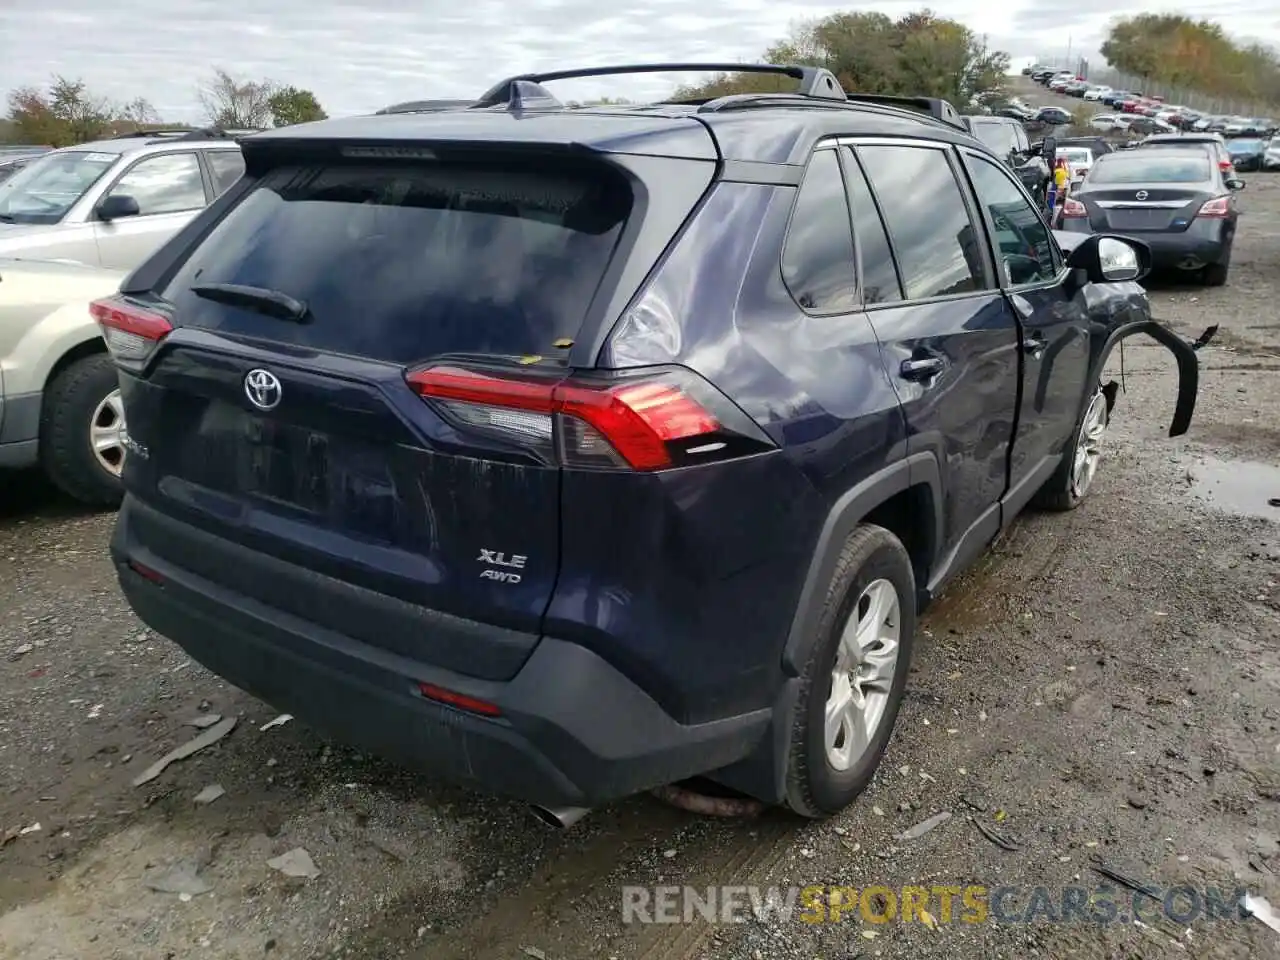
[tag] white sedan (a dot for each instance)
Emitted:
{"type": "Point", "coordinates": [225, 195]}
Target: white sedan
{"type": "Point", "coordinates": [59, 394]}
{"type": "Point", "coordinates": [1097, 93]}
{"type": "Point", "coordinates": [1106, 122]}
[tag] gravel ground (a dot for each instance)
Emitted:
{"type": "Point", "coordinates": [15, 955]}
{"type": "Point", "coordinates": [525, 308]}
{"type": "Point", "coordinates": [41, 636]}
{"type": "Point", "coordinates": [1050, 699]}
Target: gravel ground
{"type": "Point", "coordinates": [1104, 684]}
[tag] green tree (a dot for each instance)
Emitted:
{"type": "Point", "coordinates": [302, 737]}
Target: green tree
{"type": "Point", "coordinates": [65, 114]}
{"type": "Point", "coordinates": [1192, 54]}
{"type": "Point", "coordinates": [919, 54]}
{"type": "Point", "coordinates": [290, 105]}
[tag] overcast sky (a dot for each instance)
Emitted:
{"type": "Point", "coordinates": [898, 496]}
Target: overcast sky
{"type": "Point", "coordinates": [359, 56]}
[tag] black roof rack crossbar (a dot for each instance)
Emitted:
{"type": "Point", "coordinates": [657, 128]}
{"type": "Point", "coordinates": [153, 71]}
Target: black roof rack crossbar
{"type": "Point", "coordinates": [142, 134]}
{"type": "Point", "coordinates": [187, 133]}
{"type": "Point", "coordinates": [935, 107]}
{"type": "Point", "coordinates": [814, 81]}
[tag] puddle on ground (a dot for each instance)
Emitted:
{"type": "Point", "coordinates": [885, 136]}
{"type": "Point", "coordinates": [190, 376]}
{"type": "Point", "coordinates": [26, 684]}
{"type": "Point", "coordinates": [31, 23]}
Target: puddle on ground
{"type": "Point", "coordinates": [1240, 487]}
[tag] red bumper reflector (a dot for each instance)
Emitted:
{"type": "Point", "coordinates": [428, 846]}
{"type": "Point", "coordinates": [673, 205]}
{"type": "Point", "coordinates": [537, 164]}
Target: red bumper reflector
{"type": "Point", "coordinates": [459, 700]}
{"type": "Point", "coordinates": [146, 572]}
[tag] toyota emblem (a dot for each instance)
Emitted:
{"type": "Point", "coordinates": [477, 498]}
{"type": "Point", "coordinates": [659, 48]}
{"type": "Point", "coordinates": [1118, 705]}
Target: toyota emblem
{"type": "Point", "coordinates": [262, 387]}
{"type": "Point", "coordinates": [1141, 195]}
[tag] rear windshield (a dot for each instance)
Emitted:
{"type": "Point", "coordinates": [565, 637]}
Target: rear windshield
{"type": "Point", "coordinates": [1114, 168]}
{"type": "Point", "coordinates": [405, 261]}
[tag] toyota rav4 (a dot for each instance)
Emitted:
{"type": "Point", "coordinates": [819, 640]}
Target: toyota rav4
{"type": "Point", "coordinates": [571, 452]}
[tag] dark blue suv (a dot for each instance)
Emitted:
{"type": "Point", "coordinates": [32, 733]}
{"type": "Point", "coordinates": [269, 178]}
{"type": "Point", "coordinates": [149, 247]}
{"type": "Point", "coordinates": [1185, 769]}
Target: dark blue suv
{"type": "Point", "coordinates": [573, 452]}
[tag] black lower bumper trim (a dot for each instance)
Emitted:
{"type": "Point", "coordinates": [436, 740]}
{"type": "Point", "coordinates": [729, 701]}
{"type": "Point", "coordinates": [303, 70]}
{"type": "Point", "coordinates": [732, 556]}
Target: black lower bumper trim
{"type": "Point", "coordinates": [573, 730]}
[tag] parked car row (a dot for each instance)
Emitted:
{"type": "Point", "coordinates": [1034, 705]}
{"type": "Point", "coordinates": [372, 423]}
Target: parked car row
{"type": "Point", "coordinates": [1138, 104]}
{"type": "Point", "coordinates": [1017, 109]}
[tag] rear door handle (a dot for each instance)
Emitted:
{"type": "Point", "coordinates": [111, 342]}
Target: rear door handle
{"type": "Point", "coordinates": [920, 368]}
{"type": "Point", "coordinates": [1034, 344]}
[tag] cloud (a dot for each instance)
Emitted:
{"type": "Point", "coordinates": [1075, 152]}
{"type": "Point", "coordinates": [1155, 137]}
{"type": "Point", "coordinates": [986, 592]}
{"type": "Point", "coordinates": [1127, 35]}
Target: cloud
{"type": "Point", "coordinates": [358, 57]}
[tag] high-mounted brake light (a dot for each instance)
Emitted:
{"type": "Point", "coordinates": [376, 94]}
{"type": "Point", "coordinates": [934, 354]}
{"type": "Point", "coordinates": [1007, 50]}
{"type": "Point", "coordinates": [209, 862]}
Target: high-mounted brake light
{"type": "Point", "coordinates": [131, 332]}
{"type": "Point", "coordinates": [1073, 210]}
{"type": "Point", "coordinates": [1217, 208]}
{"type": "Point", "coordinates": [666, 419]}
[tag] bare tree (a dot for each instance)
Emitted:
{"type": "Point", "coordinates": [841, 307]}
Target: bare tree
{"type": "Point", "coordinates": [229, 102]}
{"type": "Point", "coordinates": [139, 111]}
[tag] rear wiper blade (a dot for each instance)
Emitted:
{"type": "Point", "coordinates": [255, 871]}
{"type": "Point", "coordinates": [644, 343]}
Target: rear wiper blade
{"type": "Point", "coordinates": [271, 302]}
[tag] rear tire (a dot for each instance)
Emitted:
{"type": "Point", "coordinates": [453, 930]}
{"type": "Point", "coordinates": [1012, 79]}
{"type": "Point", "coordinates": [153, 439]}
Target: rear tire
{"type": "Point", "coordinates": [856, 672]}
{"type": "Point", "coordinates": [74, 401]}
{"type": "Point", "coordinates": [1215, 274]}
{"type": "Point", "coordinates": [1073, 479]}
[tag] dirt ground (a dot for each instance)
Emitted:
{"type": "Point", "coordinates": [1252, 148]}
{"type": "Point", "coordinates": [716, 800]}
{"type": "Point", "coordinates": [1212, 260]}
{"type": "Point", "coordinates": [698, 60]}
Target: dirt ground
{"type": "Point", "coordinates": [1105, 684]}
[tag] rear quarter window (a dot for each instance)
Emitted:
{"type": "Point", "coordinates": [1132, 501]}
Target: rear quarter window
{"type": "Point", "coordinates": [407, 261]}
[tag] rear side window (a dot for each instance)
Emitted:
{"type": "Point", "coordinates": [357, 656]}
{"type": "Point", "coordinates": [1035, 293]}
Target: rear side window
{"type": "Point", "coordinates": [938, 247]}
{"type": "Point", "coordinates": [169, 183]}
{"type": "Point", "coordinates": [227, 166]}
{"type": "Point", "coordinates": [879, 277]}
{"type": "Point", "coordinates": [817, 261]}
{"type": "Point", "coordinates": [406, 261]}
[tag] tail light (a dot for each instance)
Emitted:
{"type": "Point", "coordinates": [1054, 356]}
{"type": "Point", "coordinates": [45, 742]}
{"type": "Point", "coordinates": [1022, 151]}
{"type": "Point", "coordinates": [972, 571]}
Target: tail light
{"type": "Point", "coordinates": [1217, 208]}
{"type": "Point", "coordinates": [650, 421]}
{"type": "Point", "coordinates": [1073, 209]}
{"type": "Point", "coordinates": [131, 332]}
{"type": "Point", "coordinates": [1224, 166]}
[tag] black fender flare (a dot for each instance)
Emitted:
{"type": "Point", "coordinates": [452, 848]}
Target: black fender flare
{"type": "Point", "coordinates": [763, 773]}
{"type": "Point", "coordinates": [847, 512]}
{"type": "Point", "coordinates": [1183, 352]}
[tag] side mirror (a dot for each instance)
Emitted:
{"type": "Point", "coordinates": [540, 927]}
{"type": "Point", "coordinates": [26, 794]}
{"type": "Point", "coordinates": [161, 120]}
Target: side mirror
{"type": "Point", "coordinates": [1107, 259]}
{"type": "Point", "coordinates": [1235, 184]}
{"type": "Point", "coordinates": [118, 206]}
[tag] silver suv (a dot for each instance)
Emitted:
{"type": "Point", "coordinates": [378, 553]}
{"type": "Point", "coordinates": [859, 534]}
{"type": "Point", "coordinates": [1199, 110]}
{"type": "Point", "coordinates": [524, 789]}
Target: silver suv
{"type": "Point", "coordinates": [113, 202]}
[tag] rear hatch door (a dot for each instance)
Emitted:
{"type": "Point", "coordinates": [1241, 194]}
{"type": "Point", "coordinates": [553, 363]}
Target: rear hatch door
{"type": "Point", "coordinates": [296, 434]}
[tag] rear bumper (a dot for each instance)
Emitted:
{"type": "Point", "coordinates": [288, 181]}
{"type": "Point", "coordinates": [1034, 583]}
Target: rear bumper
{"type": "Point", "coordinates": [573, 730]}
{"type": "Point", "coordinates": [1185, 251]}
{"type": "Point", "coordinates": [1202, 243]}
{"type": "Point", "coordinates": [19, 429]}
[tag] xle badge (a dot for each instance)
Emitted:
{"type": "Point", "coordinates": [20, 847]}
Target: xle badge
{"type": "Point", "coordinates": [501, 566]}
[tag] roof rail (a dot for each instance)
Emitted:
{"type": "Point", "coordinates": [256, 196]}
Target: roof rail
{"type": "Point", "coordinates": [941, 110]}
{"type": "Point", "coordinates": [186, 133]}
{"type": "Point", "coordinates": [815, 82]}
{"type": "Point", "coordinates": [424, 106]}
{"type": "Point", "coordinates": [934, 109]}
{"type": "Point", "coordinates": [143, 134]}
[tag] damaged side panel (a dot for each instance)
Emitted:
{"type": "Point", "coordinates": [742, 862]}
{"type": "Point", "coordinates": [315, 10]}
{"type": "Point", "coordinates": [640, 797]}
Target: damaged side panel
{"type": "Point", "coordinates": [1122, 310]}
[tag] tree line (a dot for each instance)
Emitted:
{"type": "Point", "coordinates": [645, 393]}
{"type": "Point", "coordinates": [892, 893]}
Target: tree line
{"type": "Point", "coordinates": [67, 112]}
{"type": "Point", "coordinates": [1193, 55]}
{"type": "Point", "coordinates": [918, 54]}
